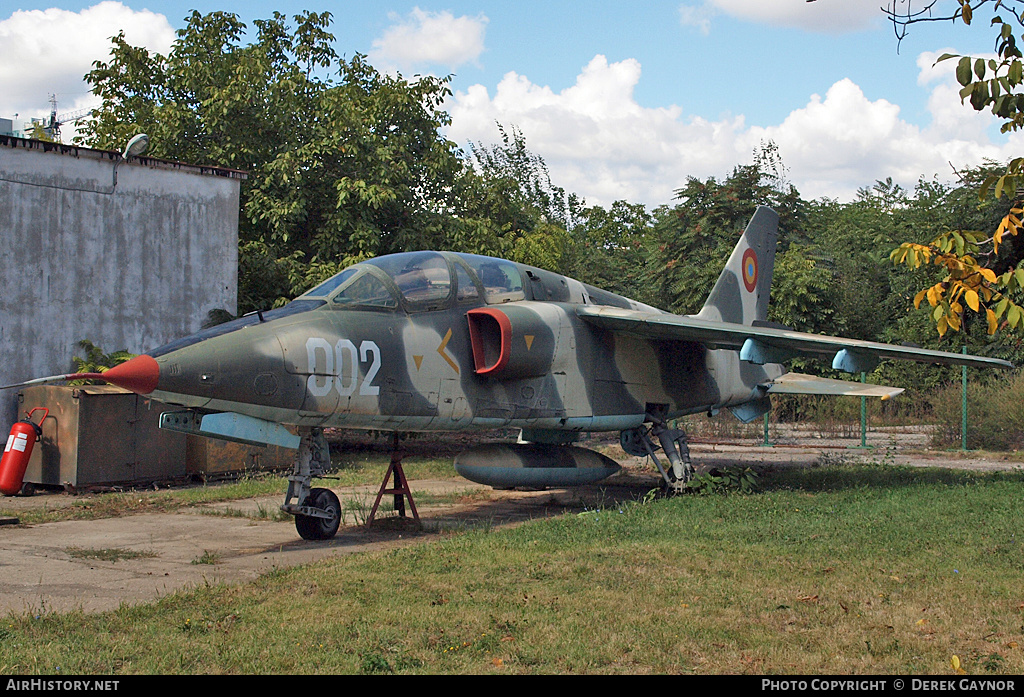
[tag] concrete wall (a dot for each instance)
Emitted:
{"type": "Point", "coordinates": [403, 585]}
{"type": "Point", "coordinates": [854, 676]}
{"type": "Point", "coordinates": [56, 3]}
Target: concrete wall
{"type": "Point", "coordinates": [130, 266]}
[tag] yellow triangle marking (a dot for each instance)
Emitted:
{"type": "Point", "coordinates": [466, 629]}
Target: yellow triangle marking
{"type": "Point", "coordinates": [418, 360]}
{"type": "Point", "coordinates": [441, 348]}
{"type": "Point", "coordinates": [529, 341]}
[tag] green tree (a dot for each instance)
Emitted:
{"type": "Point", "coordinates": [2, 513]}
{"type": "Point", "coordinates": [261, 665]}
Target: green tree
{"type": "Point", "coordinates": [803, 296]}
{"type": "Point", "coordinates": [39, 132]}
{"type": "Point", "coordinates": [692, 240]}
{"type": "Point", "coordinates": [610, 249]}
{"type": "Point", "coordinates": [513, 162]}
{"type": "Point", "coordinates": [343, 162]}
{"type": "Point", "coordinates": [509, 206]}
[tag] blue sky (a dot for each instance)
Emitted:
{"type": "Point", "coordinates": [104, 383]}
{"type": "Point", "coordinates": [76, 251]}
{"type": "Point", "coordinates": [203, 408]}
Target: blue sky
{"type": "Point", "coordinates": [623, 101]}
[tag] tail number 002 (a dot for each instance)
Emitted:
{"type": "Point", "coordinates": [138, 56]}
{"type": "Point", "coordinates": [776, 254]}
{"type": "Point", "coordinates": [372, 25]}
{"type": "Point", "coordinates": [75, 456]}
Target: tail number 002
{"type": "Point", "coordinates": [341, 367]}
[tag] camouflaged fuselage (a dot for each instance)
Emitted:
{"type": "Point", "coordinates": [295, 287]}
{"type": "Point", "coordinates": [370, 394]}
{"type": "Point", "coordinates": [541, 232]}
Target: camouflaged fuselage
{"type": "Point", "coordinates": [472, 359]}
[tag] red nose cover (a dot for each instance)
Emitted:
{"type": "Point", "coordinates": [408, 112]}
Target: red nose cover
{"type": "Point", "coordinates": [140, 374]}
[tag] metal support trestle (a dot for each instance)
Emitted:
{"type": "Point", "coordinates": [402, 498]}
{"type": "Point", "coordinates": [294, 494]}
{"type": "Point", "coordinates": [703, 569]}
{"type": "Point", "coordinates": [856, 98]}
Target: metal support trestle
{"type": "Point", "coordinates": [400, 490]}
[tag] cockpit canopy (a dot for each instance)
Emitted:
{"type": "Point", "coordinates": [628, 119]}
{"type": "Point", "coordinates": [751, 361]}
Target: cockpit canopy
{"type": "Point", "coordinates": [418, 282]}
{"type": "Point", "coordinates": [421, 281]}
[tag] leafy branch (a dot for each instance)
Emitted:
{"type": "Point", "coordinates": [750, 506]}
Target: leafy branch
{"type": "Point", "coordinates": [993, 84]}
{"type": "Point", "coordinates": [967, 282]}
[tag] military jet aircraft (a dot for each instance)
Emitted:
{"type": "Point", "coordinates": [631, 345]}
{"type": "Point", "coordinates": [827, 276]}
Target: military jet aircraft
{"type": "Point", "coordinates": [442, 341]}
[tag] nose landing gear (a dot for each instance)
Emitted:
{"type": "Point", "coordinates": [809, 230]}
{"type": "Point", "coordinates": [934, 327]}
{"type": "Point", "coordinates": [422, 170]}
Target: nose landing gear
{"type": "Point", "coordinates": [317, 511]}
{"type": "Point", "coordinates": [315, 527]}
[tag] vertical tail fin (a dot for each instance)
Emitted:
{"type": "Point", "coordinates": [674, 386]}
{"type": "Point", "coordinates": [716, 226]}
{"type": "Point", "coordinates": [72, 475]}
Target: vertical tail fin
{"type": "Point", "coordinates": [741, 294]}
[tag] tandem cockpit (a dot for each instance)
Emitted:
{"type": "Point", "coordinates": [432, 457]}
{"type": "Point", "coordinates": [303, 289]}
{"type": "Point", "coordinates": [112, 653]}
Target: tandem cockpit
{"type": "Point", "coordinates": [414, 282]}
{"type": "Point", "coordinates": [421, 281]}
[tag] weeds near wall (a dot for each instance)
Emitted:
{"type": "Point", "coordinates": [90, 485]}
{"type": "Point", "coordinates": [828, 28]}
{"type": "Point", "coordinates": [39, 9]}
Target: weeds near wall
{"type": "Point", "coordinates": [742, 480]}
{"type": "Point", "coordinates": [995, 415]}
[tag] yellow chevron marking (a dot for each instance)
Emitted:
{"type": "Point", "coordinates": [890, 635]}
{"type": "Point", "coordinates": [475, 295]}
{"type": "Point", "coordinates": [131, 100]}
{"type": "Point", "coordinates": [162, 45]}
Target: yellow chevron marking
{"type": "Point", "coordinates": [529, 341]}
{"type": "Point", "coordinates": [418, 360]}
{"type": "Point", "coordinates": [441, 348]}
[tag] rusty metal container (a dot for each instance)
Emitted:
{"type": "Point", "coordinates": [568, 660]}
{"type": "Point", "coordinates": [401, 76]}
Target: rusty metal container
{"type": "Point", "coordinates": [100, 435]}
{"type": "Point", "coordinates": [211, 457]}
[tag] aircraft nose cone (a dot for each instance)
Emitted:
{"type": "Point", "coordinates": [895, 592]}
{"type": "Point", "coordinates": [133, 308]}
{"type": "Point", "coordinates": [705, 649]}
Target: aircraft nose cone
{"type": "Point", "coordinates": [140, 374]}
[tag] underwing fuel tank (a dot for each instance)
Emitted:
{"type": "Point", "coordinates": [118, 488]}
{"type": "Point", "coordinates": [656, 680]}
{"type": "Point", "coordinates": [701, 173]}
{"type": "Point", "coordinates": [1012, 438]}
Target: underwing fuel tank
{"type": "Point", "coordinates": [509, 465]}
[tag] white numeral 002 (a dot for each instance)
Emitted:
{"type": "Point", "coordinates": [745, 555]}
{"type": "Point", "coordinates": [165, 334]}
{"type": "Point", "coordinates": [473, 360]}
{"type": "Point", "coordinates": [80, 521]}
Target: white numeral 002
{"type": "Point", "coordinates": [341, 367]}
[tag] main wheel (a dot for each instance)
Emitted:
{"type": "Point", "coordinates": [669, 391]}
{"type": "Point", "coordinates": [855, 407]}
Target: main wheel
{"type": "Point", "coordinates": [313, 528]}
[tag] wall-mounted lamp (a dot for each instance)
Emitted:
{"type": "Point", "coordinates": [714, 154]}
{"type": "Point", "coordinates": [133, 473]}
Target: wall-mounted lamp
{"type": "Point", "coordinates": [135, 147]}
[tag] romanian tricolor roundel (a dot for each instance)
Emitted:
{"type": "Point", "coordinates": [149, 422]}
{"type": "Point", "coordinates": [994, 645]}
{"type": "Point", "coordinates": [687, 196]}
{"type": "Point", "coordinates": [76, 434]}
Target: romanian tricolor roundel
{"type": "Point", "coordinates": [750, 270]}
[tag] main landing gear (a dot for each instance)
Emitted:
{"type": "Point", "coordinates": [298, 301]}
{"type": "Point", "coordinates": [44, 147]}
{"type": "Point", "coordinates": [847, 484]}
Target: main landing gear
{"type": "Point", "coordinates": [640, 442]}
{"type": "Point", "coordinates": [317, 511]}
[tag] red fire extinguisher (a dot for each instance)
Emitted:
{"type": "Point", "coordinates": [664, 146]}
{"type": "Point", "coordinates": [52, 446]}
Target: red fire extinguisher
{"type": "Point", "coordinates": [23, 437]}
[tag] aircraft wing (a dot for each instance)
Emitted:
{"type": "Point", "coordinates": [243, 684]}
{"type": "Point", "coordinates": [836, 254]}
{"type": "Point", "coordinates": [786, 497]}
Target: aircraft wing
{"type": "Point", "coordinates": [761, 344]}
{"type": "Point", "coordinates": [798, 383]}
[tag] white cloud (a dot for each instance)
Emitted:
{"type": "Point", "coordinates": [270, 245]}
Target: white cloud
{"type": "Point", "coordinates": [844, 140]}
{"type": "Point", "coordinates": [950, 118]}
{"type": "Point", "coordinates": [428, 39]}
{"type": "Point", "coordinates": [600, 143]}
{"type": "Point", "coordinates": [827, 16]}
{"type": "Point", "coordinates": [595, 138]}
{"type": "Point", "coordinates": [698, 16]}
{"type": "Point", "coordinates": [50, 51]}
{"type": "Point", "coordinates": [832, 144]}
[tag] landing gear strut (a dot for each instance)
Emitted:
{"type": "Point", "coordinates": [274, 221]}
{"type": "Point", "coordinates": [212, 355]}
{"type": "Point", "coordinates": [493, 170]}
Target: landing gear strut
{"type": "Point", "coordinates": [672, 441]}
{"type": "Point", "coordinates": [317, 511]}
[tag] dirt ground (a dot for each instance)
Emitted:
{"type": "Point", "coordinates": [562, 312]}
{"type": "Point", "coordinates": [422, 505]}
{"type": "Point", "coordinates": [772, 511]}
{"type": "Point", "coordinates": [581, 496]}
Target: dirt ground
{"type": "Point", "coordinates": [51, 566]}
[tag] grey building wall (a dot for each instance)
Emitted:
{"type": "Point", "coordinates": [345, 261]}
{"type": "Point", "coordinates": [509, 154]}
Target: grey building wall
{"type": "Point", "coordinates": [126, 266]}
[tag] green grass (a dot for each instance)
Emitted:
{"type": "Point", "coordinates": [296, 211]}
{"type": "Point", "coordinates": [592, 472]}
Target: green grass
{"type": "Point", "coordinates": [350, 471]}
{"type": "Point", "coordinates": [830, 570]}
{"type": "Point", "coordinates": [207, 557]}
{"type": "Point", "coordinates": [111, 554]}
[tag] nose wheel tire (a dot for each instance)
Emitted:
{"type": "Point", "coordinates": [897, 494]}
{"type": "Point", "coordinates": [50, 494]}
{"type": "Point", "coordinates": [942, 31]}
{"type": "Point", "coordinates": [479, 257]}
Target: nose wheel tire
{"type": "Point", "coordinates": [313, 528]}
